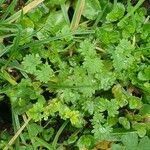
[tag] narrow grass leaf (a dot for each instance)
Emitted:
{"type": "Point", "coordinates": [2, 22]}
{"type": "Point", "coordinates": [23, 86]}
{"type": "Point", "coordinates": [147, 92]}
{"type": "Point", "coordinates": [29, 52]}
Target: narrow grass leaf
{"type": "Point", "coordinates": [10, 9]}
{"type": "Point", "coordinates": [77, 14]}
{"type": "Point", "coordinates": [64, 9]}
{"type": "Point", "coordinates": [43, 143]}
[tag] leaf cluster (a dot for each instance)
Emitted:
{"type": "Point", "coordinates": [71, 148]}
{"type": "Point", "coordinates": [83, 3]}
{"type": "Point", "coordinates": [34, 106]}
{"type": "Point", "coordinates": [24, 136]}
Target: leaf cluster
{"type": "Point", "coordinates": [83, 81]}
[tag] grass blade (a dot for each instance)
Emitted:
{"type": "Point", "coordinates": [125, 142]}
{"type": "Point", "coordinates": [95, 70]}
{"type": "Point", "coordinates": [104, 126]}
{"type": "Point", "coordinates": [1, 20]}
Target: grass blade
{"type": "Point", "coordinates": [64, 10]}
{"type": "Point", "coordinates": [58, 133]}
{"type": "Point", "coordinates": [77, 14]}
{"type": "Point", "coordinates": [5, 50]}
{"type": "Point", "coordinates": [16, 135]}
{"type": "Point", "coordinates": [43, 143]}
{"type": "Point", "coordinates": [14, 48]}
{"type": "Point", "coordinates": [5, 75]}
{"type": "Point", "coordinates": [1, 2]}
{"type": "Point", "coordinates": [9, 9]}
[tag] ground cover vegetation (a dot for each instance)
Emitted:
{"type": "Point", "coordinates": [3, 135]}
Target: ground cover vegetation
{"type": "Point", "coordinates": [75, 74]}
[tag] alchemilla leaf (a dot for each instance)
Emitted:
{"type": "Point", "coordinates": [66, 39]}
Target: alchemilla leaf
{"type": "Point", "coordinates": [78, 70]}
{"type": "Point", "coordinates": [117, 13]}
{"type": "Point", "coordinates": [122, 56]}
{"type": "Point", "coordinates": [45, 73]}
{"type": "Point", "coordinates": [30, 62]}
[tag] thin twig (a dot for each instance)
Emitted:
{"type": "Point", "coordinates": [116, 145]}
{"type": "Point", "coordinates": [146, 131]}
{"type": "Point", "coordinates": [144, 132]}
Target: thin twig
{"type": "Point", "coordinates": [147, 19]}
{"type": "Point", "coordinates": [25, 10]}
{"type": "Point", "coordinates": [100, 49]}
{"type": "Point", "coordinates": [31, 5]}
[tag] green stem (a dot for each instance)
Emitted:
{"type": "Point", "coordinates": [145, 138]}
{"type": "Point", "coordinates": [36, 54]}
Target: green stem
{"type": "Point", "coordinates": [58, 133]}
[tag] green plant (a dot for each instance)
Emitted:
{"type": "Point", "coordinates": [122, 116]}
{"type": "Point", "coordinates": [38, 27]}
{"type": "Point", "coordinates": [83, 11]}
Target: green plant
{"type": "Point", "coordinates": [130, 141]}
{"type": "Point", "coordinates": [76, 74]}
